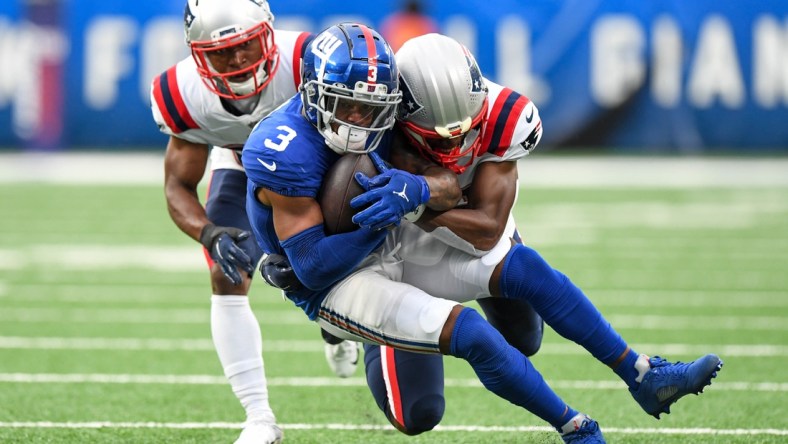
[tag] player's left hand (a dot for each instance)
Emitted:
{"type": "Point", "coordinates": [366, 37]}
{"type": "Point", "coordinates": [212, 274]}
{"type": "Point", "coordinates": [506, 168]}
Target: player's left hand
{"type": "Point", "coordinates": [222, 245]}
{"type": "Point", "coordinates": [390, 195]}
{"type": "Point", "coordinates": [278, 272]}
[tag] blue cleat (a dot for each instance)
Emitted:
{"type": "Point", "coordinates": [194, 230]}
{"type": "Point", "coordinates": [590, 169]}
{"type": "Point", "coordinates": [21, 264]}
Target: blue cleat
{"type": "Point", "coordinates": [586, 431]}
{"type": "Point", "coordinates": [665, 382]}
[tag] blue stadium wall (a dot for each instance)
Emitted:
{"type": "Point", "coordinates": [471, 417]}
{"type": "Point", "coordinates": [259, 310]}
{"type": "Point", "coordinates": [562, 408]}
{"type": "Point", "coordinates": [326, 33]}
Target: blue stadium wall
{"type": "Point", "coordinates": [641, 76]}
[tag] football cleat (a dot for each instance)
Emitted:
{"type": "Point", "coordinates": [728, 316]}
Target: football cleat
{"type": "Point", "coordinates": [583, 430]}
{"type": "Point", "coordinates": [665, 382]}
{"type": "Point", "coordinates": [259, 432]}
{"type": "Point", "coordinates": [342, 358]}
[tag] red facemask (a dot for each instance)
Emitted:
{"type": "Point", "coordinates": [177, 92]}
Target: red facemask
{"type": "Point", "coordinates": [448, 151]}
{"type": "Point", "coordinates": [260, 72]}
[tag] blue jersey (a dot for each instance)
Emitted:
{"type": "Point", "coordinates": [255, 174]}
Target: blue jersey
{"type": "Point", "coordinates": [286, 154]}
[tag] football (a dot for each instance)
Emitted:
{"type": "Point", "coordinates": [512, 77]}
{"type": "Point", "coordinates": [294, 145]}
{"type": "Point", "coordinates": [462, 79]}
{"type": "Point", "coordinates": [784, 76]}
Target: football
{"type": "Point", "coordinates": [339, 187]}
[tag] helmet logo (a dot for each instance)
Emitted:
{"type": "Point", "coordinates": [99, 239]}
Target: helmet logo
{"type": "Point", "coordinates": [188, 17]}
{"type": "Point", "coordinates": [477, 84]}
{"type": "Point", "coordinates": [325, 45]}
{"type": "Point", "coordinates": [409, 104]}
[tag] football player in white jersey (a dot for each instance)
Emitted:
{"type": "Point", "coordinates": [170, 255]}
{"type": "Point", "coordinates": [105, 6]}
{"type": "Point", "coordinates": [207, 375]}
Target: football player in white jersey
{"type": "Point", "coordinates": [240, 69]}
{"type": "Point", "coordinates": [456, 119]}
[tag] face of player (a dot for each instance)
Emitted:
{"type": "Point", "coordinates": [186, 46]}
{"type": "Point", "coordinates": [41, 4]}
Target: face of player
{"type": "Point", "coordinates": [235, 58]}
{"type": "Point", "coordinates": [446, 145]}
{"type": "Point", "coordinates": [355, 113]}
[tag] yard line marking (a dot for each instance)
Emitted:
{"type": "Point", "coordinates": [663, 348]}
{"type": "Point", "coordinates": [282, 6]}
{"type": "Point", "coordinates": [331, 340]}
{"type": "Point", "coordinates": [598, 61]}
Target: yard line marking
{"type": "Point", "coordinates": [373, 427]}
{"type": "Point", "coordinates": [552, 228]}
{"type": "Point", "coordinates": [106, 378]}
{"type": "Point", "coordinates": [313, 346]}
{"type": "Point", "coordinates": [537, 171]}
{"type": "Point", "coordinates": [141, 316]}
{"type": "Point", "coordinates": [296, 317]}
{"type": "Point", "coordinates": [604, 296]}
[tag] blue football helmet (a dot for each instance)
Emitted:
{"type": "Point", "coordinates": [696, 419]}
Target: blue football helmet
{"type": "Point", "coordinates": [349, 87]}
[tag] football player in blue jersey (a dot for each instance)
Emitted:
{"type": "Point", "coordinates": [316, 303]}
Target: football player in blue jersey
{"type": "Point", "coordinates": [454, 118]}
{"type": "Point", "coordinates": [351, 282]}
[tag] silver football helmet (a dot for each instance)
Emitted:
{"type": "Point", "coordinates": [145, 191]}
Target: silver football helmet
{"type": "Point", "coordinates": [216, 29]}
{"type": "Point", "coordinates": [444, 103]}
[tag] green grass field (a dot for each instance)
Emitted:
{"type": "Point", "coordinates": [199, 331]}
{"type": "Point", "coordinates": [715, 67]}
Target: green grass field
{"type": "Point", "coordinates": [104, 333]}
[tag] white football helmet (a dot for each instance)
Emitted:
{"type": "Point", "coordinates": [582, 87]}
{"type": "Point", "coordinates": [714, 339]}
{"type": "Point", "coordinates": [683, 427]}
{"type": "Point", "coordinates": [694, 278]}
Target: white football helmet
{"type": "Point", "coordinates": [221, 27]}
{"type": "Point", "coordinates": [444, 102]}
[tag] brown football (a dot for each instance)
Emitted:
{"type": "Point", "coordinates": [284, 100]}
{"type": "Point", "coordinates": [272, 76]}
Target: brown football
{"type": "Point", "coordinates": [339, 188]}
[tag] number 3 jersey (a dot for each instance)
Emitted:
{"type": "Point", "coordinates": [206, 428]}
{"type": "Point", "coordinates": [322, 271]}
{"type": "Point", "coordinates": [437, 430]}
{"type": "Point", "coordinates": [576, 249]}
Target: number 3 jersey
{"type": "Point", "coordinates": [288, 156]}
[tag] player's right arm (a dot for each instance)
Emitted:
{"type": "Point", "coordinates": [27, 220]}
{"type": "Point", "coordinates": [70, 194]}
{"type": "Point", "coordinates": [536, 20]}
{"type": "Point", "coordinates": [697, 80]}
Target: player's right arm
{"type": "Point", "coordinates": [285, 160]}
{"type": "Point", "coordinates": [490, 199]}
{"type": "Point", "coordinates": [318, 260]}
{"type": "Point", "coordinates": [184, 167]}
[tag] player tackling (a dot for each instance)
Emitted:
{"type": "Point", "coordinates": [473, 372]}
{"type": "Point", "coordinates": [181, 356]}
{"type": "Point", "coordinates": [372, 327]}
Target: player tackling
{"type": "Point", "coordinates": [354, 284]}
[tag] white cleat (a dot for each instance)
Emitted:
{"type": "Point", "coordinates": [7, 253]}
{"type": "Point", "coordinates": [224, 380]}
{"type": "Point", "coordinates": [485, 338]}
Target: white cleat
{"type": "Point", "coordinates": [342, 358]}
{"type": "Point", "coordinates": [259, 432]}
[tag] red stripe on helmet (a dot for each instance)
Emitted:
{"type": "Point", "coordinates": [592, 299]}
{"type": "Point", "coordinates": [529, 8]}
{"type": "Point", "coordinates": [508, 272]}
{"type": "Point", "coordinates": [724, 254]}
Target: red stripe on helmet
{"type": "Point", "coordinates": [372, 52]}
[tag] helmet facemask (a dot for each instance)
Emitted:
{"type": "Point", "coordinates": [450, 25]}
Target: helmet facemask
{"type": "Point", "coordinates": [454, 146]}
{"type": "Point", "coordinates": [347, 119]}
{"type": "Point", "coordinates": [238, 83]}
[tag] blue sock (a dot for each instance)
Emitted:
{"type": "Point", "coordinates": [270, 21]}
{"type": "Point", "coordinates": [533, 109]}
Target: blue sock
{"type": "Point", "coordinates": [505, 371]}
{"type": "Point", "coordinates": [626, 370]}
{"type": "Point", "coordinates": [562, 305]}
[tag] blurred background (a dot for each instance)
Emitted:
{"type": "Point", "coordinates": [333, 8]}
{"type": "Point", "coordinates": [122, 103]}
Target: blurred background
{"type": "Point", "coordinates": [622, 76]}
{"type": "Point", "coordinates": [659, 187]}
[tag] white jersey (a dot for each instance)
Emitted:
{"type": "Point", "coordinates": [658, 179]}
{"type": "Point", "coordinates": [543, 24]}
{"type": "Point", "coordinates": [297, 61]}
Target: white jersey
{"type": "Point", "coordinates": [184, 107]}
{"type": "Point", "coordinates": [513, 129]}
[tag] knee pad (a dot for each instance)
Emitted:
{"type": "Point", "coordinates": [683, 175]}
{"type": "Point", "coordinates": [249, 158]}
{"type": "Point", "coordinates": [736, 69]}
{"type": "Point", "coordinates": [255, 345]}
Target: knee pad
{"type": "Point", "coordinates": [423, 414]}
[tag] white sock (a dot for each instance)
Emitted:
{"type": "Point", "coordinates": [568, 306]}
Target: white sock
{"type": "Point", "coordinates": [574, 424]}
{"type": "Point", "coordinates": [239, 344]}
{"type": "Point", "coordinates": [642, 365]}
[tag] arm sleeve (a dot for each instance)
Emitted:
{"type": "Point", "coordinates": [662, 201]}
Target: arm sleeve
{"type": "Point", "coordinates": [319, 260]}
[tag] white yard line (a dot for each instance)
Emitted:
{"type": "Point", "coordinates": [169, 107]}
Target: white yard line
{"type": "Point", "coordinates": [104, 293]}
{"type": "Point", "coordinates": [105, 378]}
{"type": "Point", "coordinates": [539, 170]}
{"type": "Point", "coordinates": [305, 346]}
{"type": "Point", "coordinates": [440, 428]}
{"type": "Point", "coordinates": [288, 315]}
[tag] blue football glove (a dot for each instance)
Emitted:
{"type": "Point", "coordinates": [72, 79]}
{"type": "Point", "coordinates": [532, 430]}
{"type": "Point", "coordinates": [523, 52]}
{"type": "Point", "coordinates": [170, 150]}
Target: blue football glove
{"type": "Point", "coordinates": [381, 165]}
{"type": "Point", "coordinates": [278, 272]}
{"type": "Point", "coordinates": [222, 245]}
{"type": "Point", "coordinates": [390, 195]}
